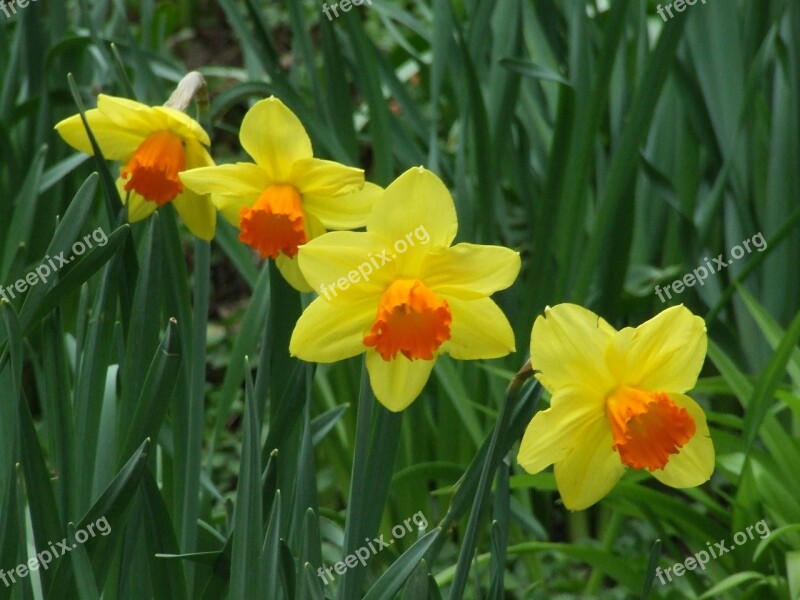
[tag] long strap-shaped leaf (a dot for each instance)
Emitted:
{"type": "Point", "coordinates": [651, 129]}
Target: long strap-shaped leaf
{"type": "Point", "coordinates": [373, 462]}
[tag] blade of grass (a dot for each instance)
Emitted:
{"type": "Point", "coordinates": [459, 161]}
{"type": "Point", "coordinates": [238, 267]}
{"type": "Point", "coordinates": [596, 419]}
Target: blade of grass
{"type": "Point", "coordinates": [246, 568]}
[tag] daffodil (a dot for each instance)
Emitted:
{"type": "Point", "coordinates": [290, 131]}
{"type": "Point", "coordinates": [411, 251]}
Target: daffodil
{"type": "Point", "coordinates": [400, 293]}
{"type": "Point", "coordinates": [618, 402]}
{"type": "Point", "coordinates": [287, 197]}
{"type": "Point", "coordinates": [154, 143]}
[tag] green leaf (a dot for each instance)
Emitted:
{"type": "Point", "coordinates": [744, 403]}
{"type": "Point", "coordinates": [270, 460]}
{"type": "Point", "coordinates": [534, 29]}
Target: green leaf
{"type": "Point", "coordinates": [57, 408]}
{"type": "Point", "coordinates": [252, 326]}
{"type": "Point", "coordinates": [82, 568]}
{"type": "Point", "coordinates": [310, 587]}
{"type": "Point", "coordinates": [773, 537]}
{"type": "Point", "coordinates": [79, 273]}
{"type": "Point", "coordinates": [167, 576]}
{"type": "Point", "coordinates": [142, 340]}
{"type": "Point", "coordinates": [111, 195]}
{"type": "Point", "coordinates": [373, 464]}
{"type": "Point", "coordinates": [246, 568]}
{"type": "Point", "coordinates": [67, 230]}
{"type": "Point", "coordinates": [494, 454]}
{"type": "Point", "coordinates": [21, 225]}
{"type": "Point", "coordinates": [530, 69]}
{"type": "Point", "coordinates": [270, 550]}
{"type": "Point", "coordinates": [655, 554]}
{"type": "Point", "coordinates": [322, 424]}
{"type": "Point", "coordinates": [379, 116]}
{"type": "Point", "coordinates": [768, 382]}
{"type": "Point", "coordinates": [731, 582]}
{"type": "Point", "coordinates": [157, 392]}
{"type": "Point", "coordinates": [617, 197]}
{"type": "Point", "coordinates": [494, 448]}
{"type": "Point", "coordinates": [395, 576]}
{"type": "Point", "coordinates": [499, 533]}
{"type": "Point", "coordinates": [112, 506]}
{"type": "Point", "coordinates": [41, 501]}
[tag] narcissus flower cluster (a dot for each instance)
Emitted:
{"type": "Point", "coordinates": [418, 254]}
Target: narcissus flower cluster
{"type": "Point", "coordinates": [618, 397]}
{"type": "Point", "coordinates": [281, 201]}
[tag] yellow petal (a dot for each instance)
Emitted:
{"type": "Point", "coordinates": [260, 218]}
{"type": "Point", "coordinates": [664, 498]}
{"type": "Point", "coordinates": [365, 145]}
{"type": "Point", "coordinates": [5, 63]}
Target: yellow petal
{"type": "Point", "coordinates": [343, 263]}
{"type": "Point", "coordinates": [182, 124]}
{"type": "Point", "coordinates": [694, 463]}
{"type": "Point", "coordinates": [291, 273]}
{"type": "Point", "coordinates": [197, 210]}
{"type": "Point", "coordinates": [197, 156]}
{"type": "Point", "coordinates": [664, 354]}
{"type": "Point", "coordinates": [115, 143]}
{"type": "Point", "coordinates": [568, 346]}
{"type": "Point", "coordinates": [120, 126]}
{"type": "Point", "coordinates": [330, 331]}
{"type": "Point", "coordinates": [554, 432]}
{"type": "Point", "coordinates": [325, 177]}
{"type": "Point", "coordinates": [479, 330]}
{"type": "Point", "coordinates": [138, 208]}
{"type": "Point", "coordinates": [137, 117]}
{"type": "Point", "coordinates": [198, 213]}
{"type": "Point", "coordinates": [590, 470]}
{"type": "Point", "coordinates": [275, 138]}
{"type": "Point", "coordinates": [314, 227]}
{"type": "Point", "coordinates": [240, 179]}
{"type": "Point", "coordinates": [415, 201]}
{"type": "Point", "coordinates": [289, 267]}
{"type": "Point", "coordinates": [344, 212]}
{"type": "Point", "coordinates": [471, 271]}
{"type": "Point", "coordinates": [232, 187]}
{"type": "Point", "coordinates": [231, 206]}
{"type": "Point", "coordinates": [397, 382]}
{"type": "Point", "coordinates": [131, 115]}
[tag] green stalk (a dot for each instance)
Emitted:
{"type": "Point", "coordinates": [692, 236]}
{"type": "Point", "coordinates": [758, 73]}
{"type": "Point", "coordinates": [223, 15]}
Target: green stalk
{"type": "Point", "coordinates": [377, 441]}
{"type": "Point", "coordinates": [196, 404]}
{"type": "Point", "coordinates": [490, 465]}
{"type": "Point", "coordinates": [610, 535]}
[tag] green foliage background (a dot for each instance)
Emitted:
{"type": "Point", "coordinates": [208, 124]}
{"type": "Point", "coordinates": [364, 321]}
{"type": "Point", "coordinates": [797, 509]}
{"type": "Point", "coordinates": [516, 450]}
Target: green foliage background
{"type": "Point", "coordinates": [614, 150]}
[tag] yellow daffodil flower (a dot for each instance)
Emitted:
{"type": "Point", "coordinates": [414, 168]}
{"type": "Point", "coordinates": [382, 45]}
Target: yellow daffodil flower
{"type": "Point", "coordinates": [618, 402]}
{"type": "Point", "coordinates": [154, 143]}
{"type": "Point", "coordinates": [287, 197]}
{"type": "Point", "coordinates": [402, 294]}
